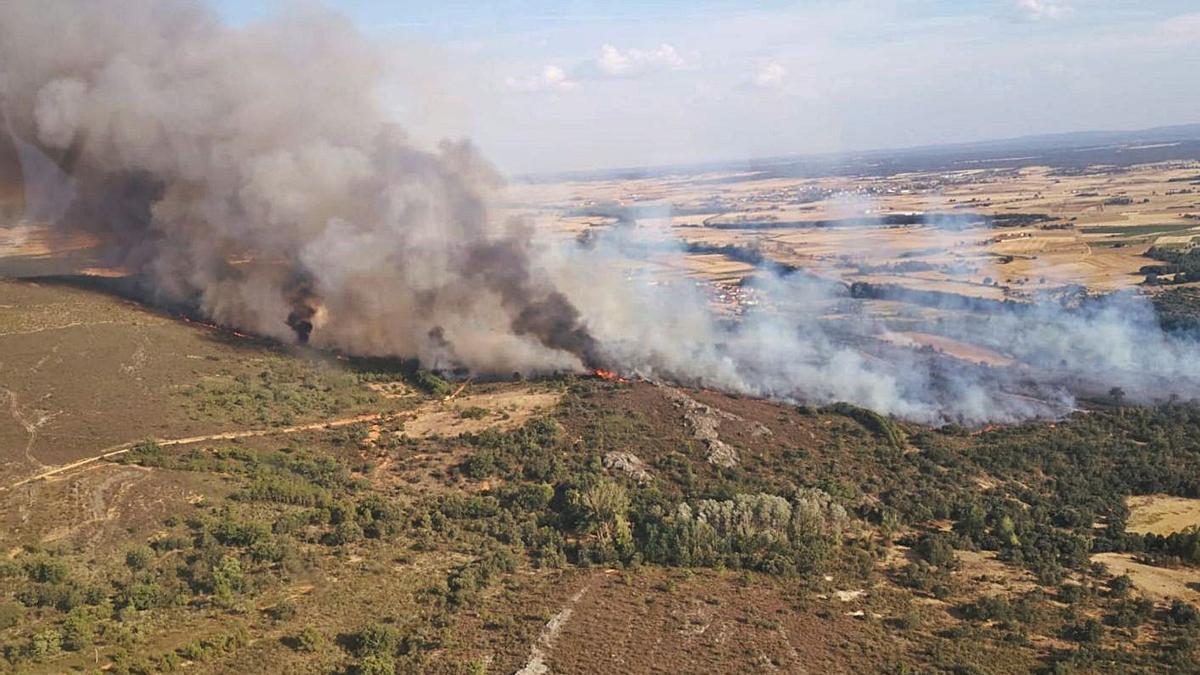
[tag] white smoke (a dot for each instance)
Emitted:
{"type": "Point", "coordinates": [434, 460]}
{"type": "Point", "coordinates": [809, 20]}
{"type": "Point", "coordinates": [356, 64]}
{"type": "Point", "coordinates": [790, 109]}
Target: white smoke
{"type": "Point", "coordinates": [809, 341]}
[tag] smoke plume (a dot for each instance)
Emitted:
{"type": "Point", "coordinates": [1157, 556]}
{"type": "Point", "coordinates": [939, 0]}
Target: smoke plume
{"type": "Point", "coordinates": [251, 174]}
{"type": "Point", "coordinates": [809, 340]}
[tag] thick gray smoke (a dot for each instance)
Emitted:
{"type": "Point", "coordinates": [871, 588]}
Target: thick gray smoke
{"type": "Point", "coordinates": [250, 173]}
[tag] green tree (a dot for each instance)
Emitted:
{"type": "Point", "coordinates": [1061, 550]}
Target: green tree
{"type": "Point", "coordinates": [139, 558]}
{"type": "Point", "coordinates": [937, 550]}
{"type": "Point", "coordinates": [47, 570]}
{"type": "Point", "coordinates": [45, 643]}
{"type": "Point", "coordinates": [603, 509]}
{"type": "Point", "coordinates": [973, 522]}
{"type": "Point", "coordinates": [1006, 532]}
{"type": "Point", "coordinates": [78, 631]}
{"type": "Point", "coordinates": [1120, 585]}
{"type": "Point", "coordinates": [227, 579]}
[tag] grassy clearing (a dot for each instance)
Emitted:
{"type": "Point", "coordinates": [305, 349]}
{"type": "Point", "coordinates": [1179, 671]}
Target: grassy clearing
{"type": "Point", "coordinates": [1161, 514]}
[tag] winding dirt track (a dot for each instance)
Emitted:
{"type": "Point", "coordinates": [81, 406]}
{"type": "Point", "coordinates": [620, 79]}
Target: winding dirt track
{"type": "Point", "coordinates": [223, 436]}
{"type": "Point", "coordinates": [430, 407]}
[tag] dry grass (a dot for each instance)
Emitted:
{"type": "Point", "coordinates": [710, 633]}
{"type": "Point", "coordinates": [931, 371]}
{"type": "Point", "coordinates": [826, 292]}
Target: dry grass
{"type": "Point", "coordinates": [1161, 514]}
{"type": "Point", "coordinates": [1157, 583]}
{"type": "Point", "coordinates": [503, 409]}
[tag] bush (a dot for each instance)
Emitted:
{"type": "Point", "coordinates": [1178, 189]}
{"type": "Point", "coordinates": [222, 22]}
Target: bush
{"type": "Point", "coordinates": [78, 632]}
{"type": "Point", "coordinates": [310, 640]}
{"type": "Point", "coordinates": [45, 643]}
{"type": "Point", "coordinates": [883, 428]}
{"type": "Point", "coordinates": [1088, 631]}
{"type": "Point", "coordinates": [910, 620]}
{"type": "Point", "coordinates": [1119, 586]}
{"type": "Point", "coordinates": [125, 663]}
{"type": "Point", "coordinates": [63, 597]}
{"type": "Point", "coordinates": [376, 664]}
{"type": "Point", "coordinates": [533, 497]}
{"type": "Point", "coordinates": [47, 570]}
{"type": "Point", "coordinates": [139, 558]}
{"type": "Point", "coordinates": [376, 639]}
{"type": "Point", "coordinates": [284, 610]}
{"type": "Point", "coordinates": [1131, 613]}
{"type": "Point", "coordinates": [227, 579]}
{"type": "Point", "coordinates": [195, 651]}
{"type": "Point", "coordinates": [142, 596]}
{"type": "Point", "coordinates": [1071, 594]}
{"type": "Point", "coordinates": [465, 582]}
{"type": "Point", "coordinates": [937, 550]}
{"type": "Point", "coordinates": [480, 465]}
{"type": "Point", "coordinates": [345, 532]}
{"type": "Point", "coordinates": [989, 609]}
{"type": "Point", "coordinates": [168, 663]}
{"type": "Point", "coordinates": [10, 614]}
{"type": "Point", "coordinates": [202, 650]}
{"type": "Point", "coordinates": [1182, 614]}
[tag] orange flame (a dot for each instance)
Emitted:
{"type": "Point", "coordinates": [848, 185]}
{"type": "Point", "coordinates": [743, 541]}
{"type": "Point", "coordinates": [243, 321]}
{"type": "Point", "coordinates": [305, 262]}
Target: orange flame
{"type": "Point", "coordinates": [607, 375]}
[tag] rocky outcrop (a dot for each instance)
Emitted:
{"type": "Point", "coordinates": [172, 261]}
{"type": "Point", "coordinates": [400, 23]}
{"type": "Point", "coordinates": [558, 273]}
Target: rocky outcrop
{"type": "Point", "coordinates": [628, 463]}
{"type": "Point", "coordinates": [704, 421]}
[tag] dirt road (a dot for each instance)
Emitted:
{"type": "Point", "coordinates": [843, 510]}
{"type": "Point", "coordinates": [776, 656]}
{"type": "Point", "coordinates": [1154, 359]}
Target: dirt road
{"type": "Point", "coordinates": [223, 436]}
{"type": "Point", "coordinates": [507, 409]}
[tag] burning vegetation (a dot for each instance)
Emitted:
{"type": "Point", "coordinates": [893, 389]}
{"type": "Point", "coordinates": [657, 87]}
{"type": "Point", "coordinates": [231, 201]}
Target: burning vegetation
{"type": "Point", "coordinates": [608, 375]}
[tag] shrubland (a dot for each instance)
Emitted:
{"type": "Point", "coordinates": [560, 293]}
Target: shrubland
{"type": "Point", "coordinates": [829, 497]}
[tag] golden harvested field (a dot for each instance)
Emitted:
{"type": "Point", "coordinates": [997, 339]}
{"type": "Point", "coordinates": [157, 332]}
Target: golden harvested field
{"type": "Point", "coordinates": [1162, 514]}
{"type": "Point", "coordinates": [1156, 583]}
{"type": "Point", "coordinates": [1088, 228]}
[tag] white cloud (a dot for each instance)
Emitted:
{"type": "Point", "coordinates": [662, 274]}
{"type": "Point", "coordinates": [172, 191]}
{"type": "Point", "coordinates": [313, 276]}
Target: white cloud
{"type": "Point", "coordinates": [770, 75]}
{"type": "Point", "coordinates": [1185, 27]}
{"type": "Point", "coordinates": [1044, 9]}
{"type": "Point", "coordinates": [864, 74]}
{"type": "Point", "coordinates": [551, 78]}
{"type": "Point", "coordinates": [614, 62]}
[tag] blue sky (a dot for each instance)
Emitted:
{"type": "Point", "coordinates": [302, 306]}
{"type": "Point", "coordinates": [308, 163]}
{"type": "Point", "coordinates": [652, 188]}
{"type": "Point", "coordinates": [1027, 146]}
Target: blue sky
{"type": "Point", "coordinates": [544, 85]}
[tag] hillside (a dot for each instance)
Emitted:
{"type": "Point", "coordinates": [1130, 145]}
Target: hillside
{"type": "Point", "coordinates": [175, 496]}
